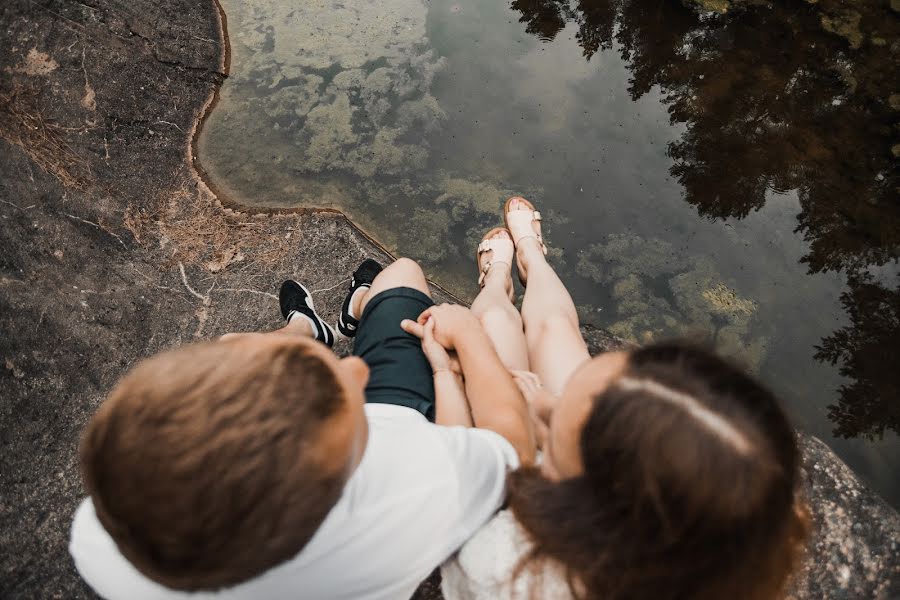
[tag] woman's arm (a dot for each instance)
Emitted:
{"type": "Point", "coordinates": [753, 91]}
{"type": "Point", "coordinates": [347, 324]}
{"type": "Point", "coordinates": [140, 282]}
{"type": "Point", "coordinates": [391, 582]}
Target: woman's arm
{"type": "Point", "coordinates": [450, 397]}
{"type": "Point", "coordinates": [451, 405]}
{"type": "Point", "coordinates": [496, 402]}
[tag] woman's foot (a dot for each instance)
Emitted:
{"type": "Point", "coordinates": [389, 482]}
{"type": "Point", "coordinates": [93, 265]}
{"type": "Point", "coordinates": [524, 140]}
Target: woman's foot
{"type": "Point", "coordinates": [524, 224]}
{"type": "Point", "coordinates": [494, 257]}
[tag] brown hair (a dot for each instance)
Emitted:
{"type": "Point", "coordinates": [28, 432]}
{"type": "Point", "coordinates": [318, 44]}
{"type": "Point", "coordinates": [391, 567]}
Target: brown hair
{"type": "Point", "coordinates": [207, 465]}
{"type": "Point", "coordinates": [689, 490]}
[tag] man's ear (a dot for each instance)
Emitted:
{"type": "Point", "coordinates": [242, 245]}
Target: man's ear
{"type": "Point", "coordinates": [356, 369]}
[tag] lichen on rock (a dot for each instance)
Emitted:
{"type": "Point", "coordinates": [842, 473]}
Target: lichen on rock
{"type": "Point", "coordinates": [37, 63]}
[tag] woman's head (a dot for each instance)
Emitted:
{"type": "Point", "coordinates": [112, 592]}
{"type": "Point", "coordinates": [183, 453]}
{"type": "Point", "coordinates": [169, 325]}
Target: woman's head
{"type": "Point", "coordinates": [669, 473]}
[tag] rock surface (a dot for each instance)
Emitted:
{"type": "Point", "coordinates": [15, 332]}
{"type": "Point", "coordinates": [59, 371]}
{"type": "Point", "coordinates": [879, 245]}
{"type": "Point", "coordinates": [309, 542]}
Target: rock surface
{"type": "Point", "coordinates": [112, 249]}
{"type": "Point", "coordinates": [854, 551]}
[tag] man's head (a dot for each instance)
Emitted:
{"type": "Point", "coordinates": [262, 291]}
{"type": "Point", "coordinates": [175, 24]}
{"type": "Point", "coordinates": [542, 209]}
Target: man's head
{"type": "Point", "coordinates": [212, 463]}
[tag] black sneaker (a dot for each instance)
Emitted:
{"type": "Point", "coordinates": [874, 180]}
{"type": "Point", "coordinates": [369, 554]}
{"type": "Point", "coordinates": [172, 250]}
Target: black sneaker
{"type": "Point", "coordinates": [294, 298]}
{"type": "Point", "coordinates": [363, 277]}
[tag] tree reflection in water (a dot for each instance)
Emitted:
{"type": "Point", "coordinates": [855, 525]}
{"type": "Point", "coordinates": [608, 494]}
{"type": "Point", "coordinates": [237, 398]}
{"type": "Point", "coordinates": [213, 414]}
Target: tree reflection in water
{"type": "Point", "coordinates": [867, 352]}
{"type": "Point", "coordinates": [775, 97]}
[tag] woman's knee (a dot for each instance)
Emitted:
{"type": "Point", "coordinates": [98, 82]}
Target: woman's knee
{"type": "Point", "coordinates": [549, 326]}
{"type": "Point", "coordinates": [500, 317]}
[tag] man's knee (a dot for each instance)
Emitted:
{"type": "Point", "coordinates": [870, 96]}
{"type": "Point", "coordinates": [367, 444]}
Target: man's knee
{"type": "Point", "coordinates": [407, 268]}
{"type": "Point", "coordinates": [403, 272]}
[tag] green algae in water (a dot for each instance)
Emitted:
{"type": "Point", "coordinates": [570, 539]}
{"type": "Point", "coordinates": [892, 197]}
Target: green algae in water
{"type": "Point", "coordinates": [671, 154]}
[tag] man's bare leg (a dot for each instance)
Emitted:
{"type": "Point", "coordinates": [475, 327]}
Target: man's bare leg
{"type": "Point", "coordinates": [296, 327]}
{"type": "Point", "coordinates": [403, 272]}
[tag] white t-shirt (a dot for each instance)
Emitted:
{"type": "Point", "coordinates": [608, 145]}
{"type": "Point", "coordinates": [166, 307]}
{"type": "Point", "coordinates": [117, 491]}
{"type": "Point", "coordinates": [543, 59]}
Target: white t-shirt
{"type": "Point", "coordinates": [484, 567]}
{"type": "Point", "coordinates": [420, 491]}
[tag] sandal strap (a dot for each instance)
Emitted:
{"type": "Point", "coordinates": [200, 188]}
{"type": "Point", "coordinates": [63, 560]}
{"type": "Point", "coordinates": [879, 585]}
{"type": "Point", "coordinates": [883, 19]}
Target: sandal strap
{"type": "Point", "coordinates": [503, 250]}
{"type": "Point", "coordinates": [536, 217]}
{"type": "Point", "coordinates": [487, 267]}
{"type": "Point", "coordinates": [535, 214]}
{"type": "Point", "coordinates": [489, 244]}
{"type": "Point", "coordinates": [537, 237]}
{"type": "Point", "coordinates": [499, 246]}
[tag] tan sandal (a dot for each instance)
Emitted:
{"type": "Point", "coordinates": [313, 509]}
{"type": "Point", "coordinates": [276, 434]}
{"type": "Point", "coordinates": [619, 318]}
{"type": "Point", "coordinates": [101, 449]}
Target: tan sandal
{"type": "Point", "coordinates": [521, 219]}
{"type": "Point", "coordinates": [502, 248]}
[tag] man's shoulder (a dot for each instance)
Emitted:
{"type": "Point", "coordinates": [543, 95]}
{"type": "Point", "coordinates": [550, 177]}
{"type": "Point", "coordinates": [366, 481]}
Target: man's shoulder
{"type": "Point", "coordinates": [103, 567]}
{"type": "Point", "coordinates": [383, 412]}
{"type": "Point", "coordinates": [403, 442]}
{"type": "Point", "coordinates": [406, 454]}
{"type": "Point", "coordinates": [397, 427]}
{"type": "Point", "coordinates": [85, 525]}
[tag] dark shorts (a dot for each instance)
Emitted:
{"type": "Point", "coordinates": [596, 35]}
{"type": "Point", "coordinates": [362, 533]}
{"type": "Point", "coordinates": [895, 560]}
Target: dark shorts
{"type": "Point", "coordinates": [399, 372]}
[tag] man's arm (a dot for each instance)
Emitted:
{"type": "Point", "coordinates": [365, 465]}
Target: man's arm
{"type": "Point", "coordinates": [495, 400]}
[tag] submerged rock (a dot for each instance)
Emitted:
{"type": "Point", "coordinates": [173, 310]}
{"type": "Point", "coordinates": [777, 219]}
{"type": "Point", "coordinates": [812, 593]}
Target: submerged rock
{"type": "Point", "coordinates": [719, 6]}
{"type": "Point", "coordinates": [661, 293]}
{"type": "Point", "coordinates": [347, 87]}
{"type": "Point", "coordinates": [846, 25]}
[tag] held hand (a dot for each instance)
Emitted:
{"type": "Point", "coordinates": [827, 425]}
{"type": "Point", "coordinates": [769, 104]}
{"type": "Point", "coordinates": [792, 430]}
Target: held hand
{"type": "Point", "coordinates": [539, 399]}
{"type": "Point", "coordinates": [439, 358]}
{"type": "Point", "coordinates": [540, 403]}
{"type": "Point", "coordinates": [452, 323]}
{"type": "Point", "coordinates": [434, 352]}
{"type": "Point", "coordinates": [529, 383]}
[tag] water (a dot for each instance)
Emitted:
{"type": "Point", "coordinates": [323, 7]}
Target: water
{"type": "Point", "coordinates": [731, 175]}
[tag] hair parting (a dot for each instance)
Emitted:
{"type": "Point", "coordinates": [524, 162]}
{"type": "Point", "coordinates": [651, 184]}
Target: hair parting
{"type": "Point", "coordinates": [690, 487]}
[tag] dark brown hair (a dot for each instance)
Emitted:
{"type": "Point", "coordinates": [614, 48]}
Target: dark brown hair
{"type": "Point", "coordinates": [206, 464]}
{"type": "Point", "coordinates": [689, 487]}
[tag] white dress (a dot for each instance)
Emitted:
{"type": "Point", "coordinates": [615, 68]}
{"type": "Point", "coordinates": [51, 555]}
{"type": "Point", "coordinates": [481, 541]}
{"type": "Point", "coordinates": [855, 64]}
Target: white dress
{"type": "Point", "coordinates": [484, 567]}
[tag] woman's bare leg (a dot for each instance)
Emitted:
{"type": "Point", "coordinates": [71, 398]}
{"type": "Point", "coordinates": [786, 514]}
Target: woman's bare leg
{"type": "Point", "coordinates": [500, 319]}
{"type": "Point", "coordinates": [555, 345]}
